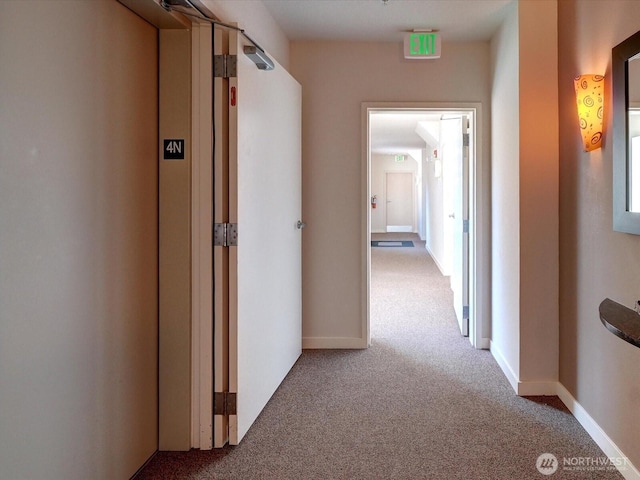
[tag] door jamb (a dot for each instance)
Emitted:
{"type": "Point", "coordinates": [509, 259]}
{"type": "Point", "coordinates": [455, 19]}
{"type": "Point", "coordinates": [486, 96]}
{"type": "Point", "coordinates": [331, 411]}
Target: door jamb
{"type": "Point", "coordinates": [479, 245]}
{"type": "Point", "coordinates": [201, 238]}
{"type": "Point", "coordinates": [185, 399]}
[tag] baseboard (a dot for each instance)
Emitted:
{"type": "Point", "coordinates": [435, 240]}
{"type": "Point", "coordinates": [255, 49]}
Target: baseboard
{"type": "Point", "coordinates": [610, 449]}
{"type": "Point", "coordinates": [504, 365]}
{"type": "Point", "coordinates": [135, 475]}
{"type": "Point", "coordinates": [399, 229]}
{"type": "Point", "coordinates": [523, 389]}
{"type": "Point", "coordinates": [531, 389]}
{"type": "Point", "coordinates": [435, 260]}
{"type": "Point", "coordinates": [333, 343]}
{"type": "Point", "coordinates": [484, 344]}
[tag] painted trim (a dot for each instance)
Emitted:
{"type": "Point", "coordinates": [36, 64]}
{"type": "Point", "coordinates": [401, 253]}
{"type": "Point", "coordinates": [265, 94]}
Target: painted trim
{"type": "Point", "coordinates": [176, 365]}
{"type": "Point", "coordinates": [435, 260]}
{"type": "Point", "coordinates": [400, 229]}
{"type": "Point", "coordinates": [521, 388]}
{"type": "Point", "coordinates": [201, 249]}
{"type": "Point", "coordinates": [365, 227]}
{"type": "Point", "coordinates": [334, 343]}
{"type": "Point", "coordinates": [196, 240]}
{"type": "Point", "coordinates": [504, 365]}
{"type": "Point", "coordinates": [174, 267]}
{"type": "Point", "coordinates": [527, 389]}
{"type": "Point", "coordinates": [608, 446]}
{"type": "Point", "coordinates": [479, 241]}
{"type": "Point", "coordinates": [479, 212]}
{"type": "Point", "coordinates": [599, 436]}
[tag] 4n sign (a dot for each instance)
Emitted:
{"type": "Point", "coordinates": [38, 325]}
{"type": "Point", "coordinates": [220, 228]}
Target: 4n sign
{"type": "Point", "coordinates": [174, 149]}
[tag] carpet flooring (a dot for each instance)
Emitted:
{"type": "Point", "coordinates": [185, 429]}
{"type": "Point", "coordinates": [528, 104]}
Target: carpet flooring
{"type": "Point", "coordinates": [420, 403]}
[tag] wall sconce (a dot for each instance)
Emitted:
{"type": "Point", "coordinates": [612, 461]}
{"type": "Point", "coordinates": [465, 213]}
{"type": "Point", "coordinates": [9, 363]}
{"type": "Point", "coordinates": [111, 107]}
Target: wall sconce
{"type": "Point", "coordinates": [590, 101]}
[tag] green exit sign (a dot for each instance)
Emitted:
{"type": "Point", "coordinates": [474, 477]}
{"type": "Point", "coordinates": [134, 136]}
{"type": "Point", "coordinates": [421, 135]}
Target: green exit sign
{"type": "Point", "coordinates": [421, 45]}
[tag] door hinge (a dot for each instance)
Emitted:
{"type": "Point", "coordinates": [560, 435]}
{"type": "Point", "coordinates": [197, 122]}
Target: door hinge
{"type": "Point", "coordinates": [465, 312]}
{"type": "Point", "coordinates": [225, 234]}
{"type": "Point", "coordinates": [224, 403]}
{"type": "Point", "coordinates": [465, 139]}
{"type": "Point", "coordinates": [225, 66]}
{"type": "Point", "coordinates": [465, 226]}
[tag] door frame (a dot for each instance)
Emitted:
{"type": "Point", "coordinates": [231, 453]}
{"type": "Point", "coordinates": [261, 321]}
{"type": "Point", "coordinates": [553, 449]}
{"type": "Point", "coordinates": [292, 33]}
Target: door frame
{"type": "Point", "coordinates": [479, 214]}
{"type": "Point", "coordinates": [185, 393]}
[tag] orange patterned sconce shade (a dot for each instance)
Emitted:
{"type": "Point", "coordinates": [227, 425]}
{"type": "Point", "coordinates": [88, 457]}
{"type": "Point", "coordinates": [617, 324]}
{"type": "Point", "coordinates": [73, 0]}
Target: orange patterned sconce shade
{"type": "Point", "coordinates": [590, 101]}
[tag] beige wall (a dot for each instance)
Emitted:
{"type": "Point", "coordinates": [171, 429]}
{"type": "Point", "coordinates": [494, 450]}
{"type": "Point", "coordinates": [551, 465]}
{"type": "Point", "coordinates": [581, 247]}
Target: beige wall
{"type": "Point", "coordinates": [599, 370]}
{"type": "Point", "coordinates": [175, 244]}
{"type": "Point", "coordinates": [74, 318]}
{"type": "Point", "coordinates": [505, 198]}
{"type": "Point", "coordinates": [525, 198]}
{"type": "Point", "coordinates": [336, 79]}
{"type": "Point", "coordinates": [78, 240]}
{"type": "Point", "coordinates": [539, 264]}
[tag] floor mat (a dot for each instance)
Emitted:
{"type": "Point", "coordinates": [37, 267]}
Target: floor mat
{"type": "Point", "coordinates": [391, 243]}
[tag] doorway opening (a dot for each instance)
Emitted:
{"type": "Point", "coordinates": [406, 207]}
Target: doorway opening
{"type": "Point", "coordinates": [422, 183]}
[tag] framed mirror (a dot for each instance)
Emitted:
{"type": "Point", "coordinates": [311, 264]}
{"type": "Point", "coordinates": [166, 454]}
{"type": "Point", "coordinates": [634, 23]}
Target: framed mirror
{"type": "Point", "coordinates": [626, 135]}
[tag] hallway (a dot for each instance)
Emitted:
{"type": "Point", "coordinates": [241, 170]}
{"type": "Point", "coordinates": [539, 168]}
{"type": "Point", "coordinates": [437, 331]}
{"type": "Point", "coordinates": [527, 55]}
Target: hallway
{"type": "Point", "coordinates": [419, 403]}
{"type": "Point", "coordinates": [408, 291]}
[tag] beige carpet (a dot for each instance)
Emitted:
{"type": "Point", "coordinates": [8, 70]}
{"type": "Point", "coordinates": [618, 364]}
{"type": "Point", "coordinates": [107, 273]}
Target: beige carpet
{"type": "Point", "coordinates": [419, 404]}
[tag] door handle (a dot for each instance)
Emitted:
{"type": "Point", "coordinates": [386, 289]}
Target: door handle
{"type": "Point", "coordinates": [300, 225]}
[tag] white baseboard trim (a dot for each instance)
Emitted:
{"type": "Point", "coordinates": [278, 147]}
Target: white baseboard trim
{"type": "Point", "coordinates": [435, 260]}
{"type": "Point", "coordinates": [529, 389]}
{"type": "Point", "coordinates": [523, 389]}
{"type": "Point", "coordinates": [484, 344]}
{"type": "Point", "coordinates": [333, 343]}
{"type": "Point", "coordinates": [399, 229]}
{"type": "Point", "coordinates": [610, 449]}
{"type": "Point", "coordinates": [504, 365]}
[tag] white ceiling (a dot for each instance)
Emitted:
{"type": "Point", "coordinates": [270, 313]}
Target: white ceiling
{"type": "Point", "coordinates": [373, 20]}
{"type": "Point", "coordinates": [394, 133]}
